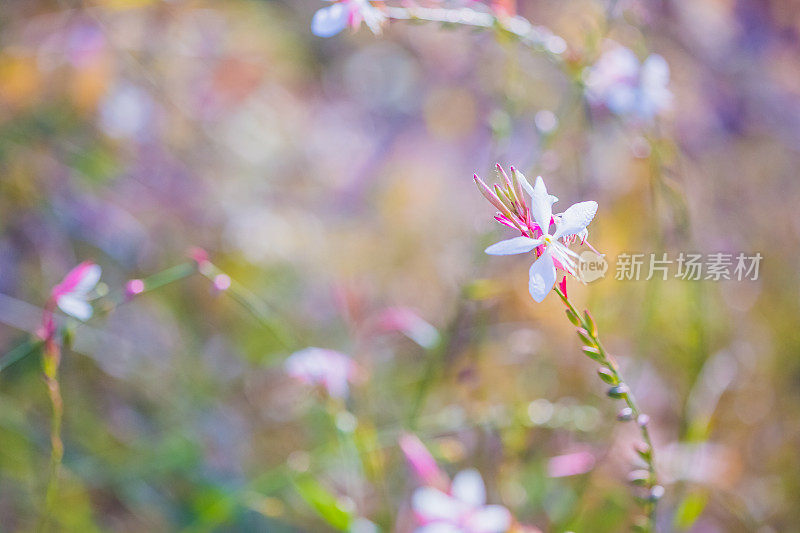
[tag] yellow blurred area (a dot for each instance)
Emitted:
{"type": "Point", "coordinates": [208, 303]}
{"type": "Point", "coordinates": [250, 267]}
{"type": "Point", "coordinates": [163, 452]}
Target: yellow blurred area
{"type": "Point", "coordinates": [20, 81]}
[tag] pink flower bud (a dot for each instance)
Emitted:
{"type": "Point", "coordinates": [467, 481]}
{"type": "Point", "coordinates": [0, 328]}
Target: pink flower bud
{"type": "Point", "coordinates": [222, 282]}
{"type": "Point", "coordinates": [199, 256]}
{"type": "Point", "coordinates": [134, 287]}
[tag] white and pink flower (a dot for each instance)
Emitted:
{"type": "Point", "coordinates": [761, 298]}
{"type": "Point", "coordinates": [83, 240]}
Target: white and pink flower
{"type": "Point", "coordinates": [72, 294]}
{"type": "Point", "coordinates": [332, 370]}
{"type": "Point", "coordinates": [462, 509]}
{"type": "Point", "coordinates": [331, 20]}
{"type": "Point", "coordinates": [534, 220]}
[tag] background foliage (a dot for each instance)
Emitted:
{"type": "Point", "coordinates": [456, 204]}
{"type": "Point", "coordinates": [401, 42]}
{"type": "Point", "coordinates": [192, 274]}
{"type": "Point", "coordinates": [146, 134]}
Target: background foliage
{"type": "Point", "coordinates": [332, 179]}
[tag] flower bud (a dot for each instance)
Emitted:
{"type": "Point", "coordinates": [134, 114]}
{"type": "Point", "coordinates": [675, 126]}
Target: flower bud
{"type": "Point", "coordinates": [656, 493]}
{"type": "Point", "coordinates": [643, 451]}
{"type": "Point", "coordinates": [640, 478]}
{"type": "Point", "coordinates": [573, 318]}
{"type": "Point", "coordinates": [592, 353]}
{"type": "Point", "coordinates": [618, 392]}
{"type": "Point", "coordinates": [625, 415]}
{"type": "Point", "coordinates": [584, 335]}
{"type": "Point", "coordinates": [607, 376]}
{"type": "Point", "coordinates": [590, 325]}
{"type": "Point", "coordinates": [222, 282]}
{"type": "Point", "coordinates": [133, 288]}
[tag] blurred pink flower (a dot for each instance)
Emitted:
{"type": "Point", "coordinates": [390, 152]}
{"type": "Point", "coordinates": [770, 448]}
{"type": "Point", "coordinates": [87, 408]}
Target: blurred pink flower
{"type": "Point", "coordinates": [570, 464]}
{"type": "Point", "coordinates": [199, 256]}
{"type": "Point", "coordinates": [504, 7]}
{"type": "Point", "coordinates": [422, 462]}
{"type": "Point", "coordinates": [134, 287]}
{"type": "Point", "coordinates": [222, 282]}
{"type": "Point", "coordinates": [461, 510]}
{"type": "Point", "coordinates": [322, 367]}
{"type": "Point", "coordinates": [71, 295]}
{"type": "Point", "coordinates": [409, 323]}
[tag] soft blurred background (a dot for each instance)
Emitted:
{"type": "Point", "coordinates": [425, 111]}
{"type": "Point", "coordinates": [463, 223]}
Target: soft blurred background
{"type": "Point", "coordinates": [332, 179]}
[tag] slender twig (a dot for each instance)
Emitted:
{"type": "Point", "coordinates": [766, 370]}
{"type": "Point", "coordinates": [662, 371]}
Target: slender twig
{"type": "Point", "coordinates": [51, 361]}
{"type": "Point", "coordinates": [257, 307]}
{"type": "Point", "coordinates": [610, 373]}
{"type": "Point", "coordinates": [249, 301]}
{"type": "Point", "coordinates": [111, 302]}
{"type": "Point", "coordinates": [539, 38]}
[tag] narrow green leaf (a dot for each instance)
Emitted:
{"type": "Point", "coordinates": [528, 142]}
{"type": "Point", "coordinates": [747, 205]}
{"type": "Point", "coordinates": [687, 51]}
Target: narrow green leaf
{"type": "Point", "coordinates": [324, 503]}
{"type": "Point", "coordinates": [690, 509]}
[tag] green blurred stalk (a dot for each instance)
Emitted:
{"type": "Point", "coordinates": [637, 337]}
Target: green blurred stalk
{"type": "Point", "coordinates": [256, 307]}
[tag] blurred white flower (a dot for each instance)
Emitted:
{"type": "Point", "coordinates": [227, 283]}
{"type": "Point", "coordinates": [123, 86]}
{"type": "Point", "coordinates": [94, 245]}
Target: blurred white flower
{"type": "Point", "coordinates": [72, 293]}
{"type": "Point", "coordinates": [126, 112]}
{"type": "Point", "coordinates": [321, 367]}
{"type": "Point", "coordinates": [462, 510]}
{"type": "Point", "coordinates": [328, 21]}
{"type": "Point", "coordinates": [628, 88]}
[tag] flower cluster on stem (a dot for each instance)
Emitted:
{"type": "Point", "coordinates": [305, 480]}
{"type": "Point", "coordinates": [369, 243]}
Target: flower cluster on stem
{"type": "Point", "coordinates": [533, 220]}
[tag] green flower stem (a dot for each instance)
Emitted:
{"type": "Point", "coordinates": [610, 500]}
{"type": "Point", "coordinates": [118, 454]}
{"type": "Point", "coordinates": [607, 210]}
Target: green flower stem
{"type": "Point", "coordinates": [239, 293]}
{"type": "Point", "coordinates": [56, 449]}
{"type": "Point", "coordinates": [20, 352]}
{"type": "Point", "coordinates": [111, 302]}
{"type": "Point", "coordinates": [256, 307]}
{"type": "Point", "coordinates": [50, 363]}
{"type": "Point", "coordinates": [610, 374]}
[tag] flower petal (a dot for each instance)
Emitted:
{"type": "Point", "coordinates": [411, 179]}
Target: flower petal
{"type": "Point", "coordinates": [655, 72]}
{"type": "Point", "coordinates": [74, 306]}
{"type": "Point", "coordinates": [517, 245]}
{"type": "Point", "coordinates": [542, 276]}
{"type": "Point", "coordinates": [490, 519]}
{"type": "Point", "coordinates": [80, 279]}
{"type": "Point", "coordinates": [421, 461]}
{"type": "Point", "coordinates": [575, 219]}
{"type": "Point", "coordinates": [318, 366]}
{"type": "Point", "coordinates": [89, 278]}
{"type": "Point", "coordinates": [655, 95]}
{"type": "Point", "coordinates": [541, 205]}
{"type": "Point", "coordinates": [432, 504]}
{"type": "Point", "coordinates": [330, 20]}
{"type": "Point", "coordinates": [439, 527]}
{"type": "Point", "coordinates": [469, 488]}
{"type": "Point", "coordinates": [525, 183]}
